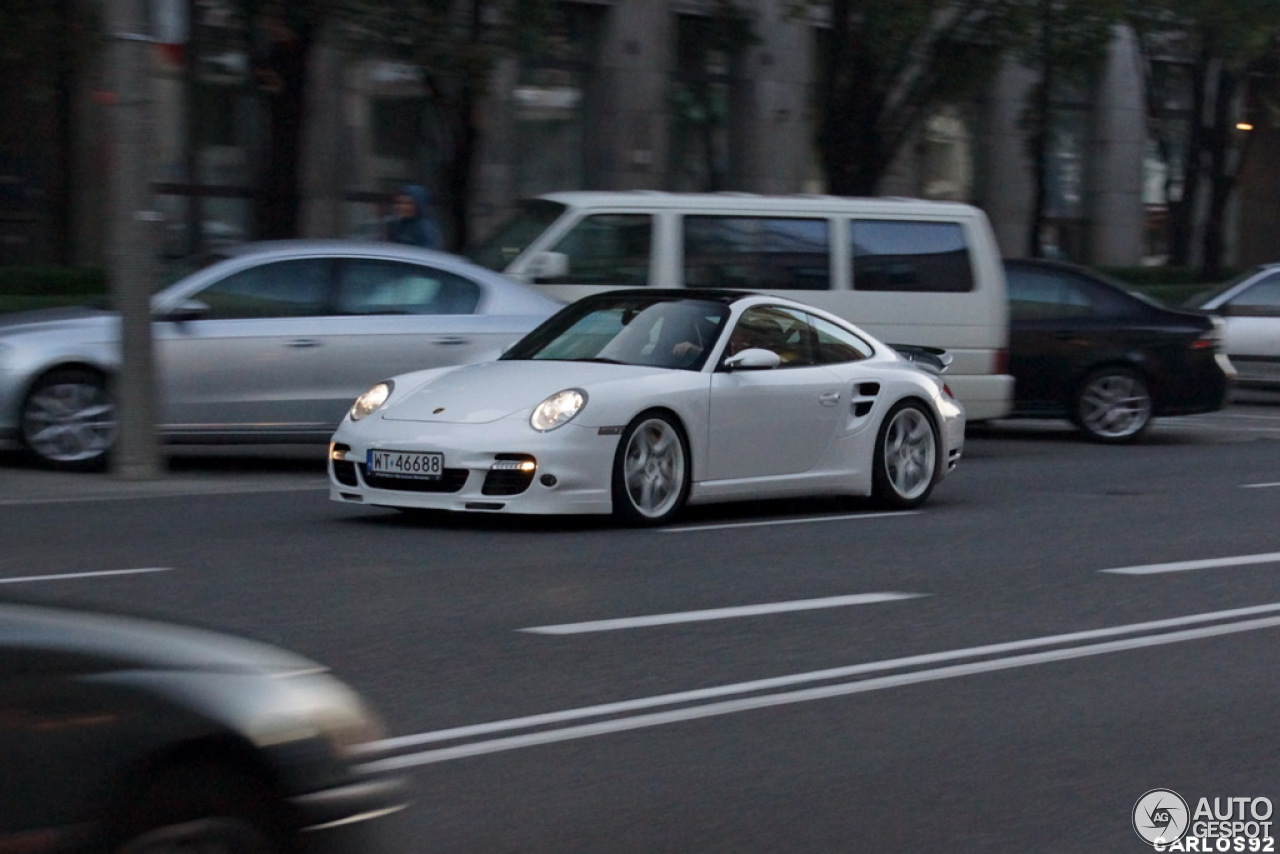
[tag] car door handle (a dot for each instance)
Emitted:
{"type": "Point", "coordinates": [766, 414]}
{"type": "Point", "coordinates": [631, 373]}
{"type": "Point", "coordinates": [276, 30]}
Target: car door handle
{"type": "Point", "coordinates": [829, 398]}
{"type": "Point", "coordinates": [451, 339]}
{"type": "Point", "coordinates": [304, 342]}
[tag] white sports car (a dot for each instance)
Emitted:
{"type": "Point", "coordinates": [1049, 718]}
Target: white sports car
{"type": "Point", "coordinates": [638, 402]}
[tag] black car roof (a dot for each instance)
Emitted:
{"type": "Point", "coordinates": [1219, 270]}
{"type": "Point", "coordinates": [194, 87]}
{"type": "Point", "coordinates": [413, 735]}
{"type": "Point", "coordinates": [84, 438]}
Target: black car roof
{"type": "Point", "coordinates": [721, 295]}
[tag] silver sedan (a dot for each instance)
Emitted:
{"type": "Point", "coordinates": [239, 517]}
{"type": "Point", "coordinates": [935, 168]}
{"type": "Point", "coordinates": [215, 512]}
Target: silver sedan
{"type": "Point", "coordinates": [1250, 308]}
{"type": "Point", "coordinates": [270, 343]}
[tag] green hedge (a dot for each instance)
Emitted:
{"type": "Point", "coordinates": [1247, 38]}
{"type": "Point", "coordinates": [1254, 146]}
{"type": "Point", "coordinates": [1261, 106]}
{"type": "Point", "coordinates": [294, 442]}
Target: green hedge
{"type": "Point", "coordinates": [50, 281]}
{"type": "Point", "coordinates": [1171, 285]}
{"type": "Point", "coordinates": [23, 288]}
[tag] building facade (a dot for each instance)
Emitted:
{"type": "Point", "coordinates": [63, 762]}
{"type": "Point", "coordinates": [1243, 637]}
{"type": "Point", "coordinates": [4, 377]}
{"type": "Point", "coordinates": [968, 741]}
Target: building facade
{"type": "Point", "coordinates": [627, 94]}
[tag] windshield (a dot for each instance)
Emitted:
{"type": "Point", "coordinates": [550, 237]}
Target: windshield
{"type": "Point", "coordinates": [1208, 294]}
{"type": "Point", "coordinates": [514, 235]}
{"type": "Point", "coordinates": [628, 330]}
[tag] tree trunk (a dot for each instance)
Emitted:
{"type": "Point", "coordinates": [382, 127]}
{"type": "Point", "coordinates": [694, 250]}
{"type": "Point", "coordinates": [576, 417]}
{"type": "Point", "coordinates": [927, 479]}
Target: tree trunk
{"type": "Point", "coordinates": [1182, 213]}
{"type": "Point", "coordinates": [462, 140]}
{"type": "Point", "coordinates": [1221, 177]}
{"type": "Point", "coordinates": [282, 81]}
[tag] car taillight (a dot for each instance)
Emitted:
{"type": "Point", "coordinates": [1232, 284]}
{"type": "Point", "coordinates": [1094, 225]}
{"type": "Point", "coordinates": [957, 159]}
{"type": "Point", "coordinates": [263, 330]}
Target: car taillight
{"type": "Point", "coordinates": [1211, 339]}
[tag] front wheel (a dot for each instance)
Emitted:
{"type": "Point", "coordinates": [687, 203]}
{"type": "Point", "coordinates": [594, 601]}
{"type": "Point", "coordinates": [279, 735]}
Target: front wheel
{"type": "Point", "coordinates": [68, 420]}
{"type": "Point", "coordinates": [203, 807]}
{"type": "Point", "coordinates": [1113, 405]}
{"type": "Point", "coordinates": [651, 471]}
{"type": "Point", "coordinates": [906, 464]}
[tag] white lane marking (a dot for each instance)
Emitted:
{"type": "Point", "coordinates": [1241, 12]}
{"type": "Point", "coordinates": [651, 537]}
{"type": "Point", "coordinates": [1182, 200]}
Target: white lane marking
{"type": "Point", "coordinates": [684, 528]}
{"type": "Point", "coordinates": [445, 754]}
{"type": "Point", "coordinates": [405, 741]}
{"type": "Point", "coordinates": [719, 613]}
{"type": "Point", "coordinates": [98, 574]}
{"type": "Point", "coordinates": [1259, 485]}
{"type": "Point", "coordinates": [1186, 565]}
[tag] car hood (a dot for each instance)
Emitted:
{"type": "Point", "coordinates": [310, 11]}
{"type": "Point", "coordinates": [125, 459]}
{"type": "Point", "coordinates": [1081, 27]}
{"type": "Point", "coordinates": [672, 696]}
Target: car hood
{"type": "Point", "coordinates": [55, 320]}
{"type": "Point", "coordinates": [478, 394]}
{"type": "Point", "coordinates": [45, 639]}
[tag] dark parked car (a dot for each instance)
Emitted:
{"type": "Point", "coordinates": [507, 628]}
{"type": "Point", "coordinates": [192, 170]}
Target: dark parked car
{"type": "Point", "coordinates": [126, 735]}
{"type": "Point", "coordinates": [1083, 347]}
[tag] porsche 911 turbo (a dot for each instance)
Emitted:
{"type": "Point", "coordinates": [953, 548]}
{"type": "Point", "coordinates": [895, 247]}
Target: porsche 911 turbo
{"type": "Point", "coordinates": [639, 402]}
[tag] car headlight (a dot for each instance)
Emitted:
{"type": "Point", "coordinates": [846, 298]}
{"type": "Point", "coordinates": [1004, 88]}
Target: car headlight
{"type": "Point", "coordinates": [557, 409]}
{"type": "Point", "coordinates": [372, 399]}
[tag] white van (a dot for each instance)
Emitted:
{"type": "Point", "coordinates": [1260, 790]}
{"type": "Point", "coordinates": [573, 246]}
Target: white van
{"type": "Point", "coordinates": [907, 271]}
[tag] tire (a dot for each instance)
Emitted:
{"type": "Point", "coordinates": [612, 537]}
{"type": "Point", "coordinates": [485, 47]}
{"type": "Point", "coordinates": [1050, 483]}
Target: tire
{"type": "Point", "coordinates": [651, 470]}
{"type": "Point", "coordinates": [907, 458]}
{"type": "Point", "coordinates": [68, 420]}
{"type": "Point", "coordinates": [202, 806]}
{"type": "Point", "coordinates": [1113, 405]}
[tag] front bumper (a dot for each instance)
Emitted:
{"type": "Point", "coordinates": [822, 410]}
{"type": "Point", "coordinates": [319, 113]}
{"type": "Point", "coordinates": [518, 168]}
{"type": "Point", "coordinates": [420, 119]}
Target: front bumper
{"type": "Point", "coordinates": [346, 819]}
{"type": "Point", "coordinates": [571, 468]}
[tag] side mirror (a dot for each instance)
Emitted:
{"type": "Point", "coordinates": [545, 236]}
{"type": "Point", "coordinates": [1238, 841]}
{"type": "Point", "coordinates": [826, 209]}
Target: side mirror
{"type": "Point", "coordinates": [548, 267]}
{"type": "Point", "coordinates": [191, 309]}
{"type": "Point", "coordinates": [753, 359]}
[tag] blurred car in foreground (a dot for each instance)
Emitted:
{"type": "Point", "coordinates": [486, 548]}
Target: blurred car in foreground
{"type": "Point", "coordinates": [268, 343]}
{"type": "Point", "coordinates": [637, 401]}
{"type": "Point", "coordinates": [1249, 306]}
{"type": "Point", "coordinates": [1082, 347]}
{"type": "Point", "coordinates": [127, 735]}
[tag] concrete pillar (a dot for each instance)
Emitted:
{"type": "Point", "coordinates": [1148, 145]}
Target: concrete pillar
{"type": "Point", "coordinates": [772, 133]}
{"type": "Point", "coordinates": [1113, 197]}
{"type": "Point", "coordinates": [632, 125]}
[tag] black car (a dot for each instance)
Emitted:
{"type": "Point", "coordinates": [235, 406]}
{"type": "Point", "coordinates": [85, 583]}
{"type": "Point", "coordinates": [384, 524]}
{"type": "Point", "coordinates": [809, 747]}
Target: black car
{"type": "Point", "coordinates": [1083, 347]}
{"type": "Point", "coordinates": [126, 735]}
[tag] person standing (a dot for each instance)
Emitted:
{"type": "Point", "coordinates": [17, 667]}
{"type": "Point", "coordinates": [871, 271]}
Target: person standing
{"type": "Point", "coordinates": [413, 221]}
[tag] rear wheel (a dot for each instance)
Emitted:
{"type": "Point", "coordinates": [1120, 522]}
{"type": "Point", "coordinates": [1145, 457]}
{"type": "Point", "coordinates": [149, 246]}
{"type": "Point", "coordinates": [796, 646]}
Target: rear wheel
{"type": "Point", "coordinates": [68, 420]}
{"type": "Point", "coordinates": [906, 464]}
{"type": "Point", "coordinates": [1113, 405]}
{"type": "Point", "coordinates": [651, 471]}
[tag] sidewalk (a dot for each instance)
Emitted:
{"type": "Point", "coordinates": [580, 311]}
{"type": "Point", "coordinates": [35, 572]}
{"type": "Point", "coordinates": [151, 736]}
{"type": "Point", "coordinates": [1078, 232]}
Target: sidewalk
{"type": "Point", "coordinates": [187, 471]}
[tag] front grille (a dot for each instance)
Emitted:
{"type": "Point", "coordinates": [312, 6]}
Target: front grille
{"type": "Point", "coordinates": [344, 471]}
{"type": "Point", "coordinates": [451, 481]}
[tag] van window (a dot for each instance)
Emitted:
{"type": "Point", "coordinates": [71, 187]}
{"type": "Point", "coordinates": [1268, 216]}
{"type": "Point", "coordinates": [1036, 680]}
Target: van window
{"type": "Point", "coordinates": [895, 255]}
{"type": "Point", "coordinates": [608, 249]}
{"type": "Point", "coordinates": [782, 253]}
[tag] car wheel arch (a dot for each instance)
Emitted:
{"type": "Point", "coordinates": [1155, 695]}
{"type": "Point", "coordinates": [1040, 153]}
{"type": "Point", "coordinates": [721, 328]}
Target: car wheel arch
{"type": "Point", "coordinates": [883, 492]}
{"type": "Point", "coordinates": [224, 754]}
{"type": "Point", "coordinates": [657, 412]}
{"type": "Point", "coordinates": [1148, 385]}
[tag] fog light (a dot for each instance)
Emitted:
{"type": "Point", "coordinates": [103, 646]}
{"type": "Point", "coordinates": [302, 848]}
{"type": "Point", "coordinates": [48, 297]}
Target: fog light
{"type": "Point", "coordinates": [547, 480]}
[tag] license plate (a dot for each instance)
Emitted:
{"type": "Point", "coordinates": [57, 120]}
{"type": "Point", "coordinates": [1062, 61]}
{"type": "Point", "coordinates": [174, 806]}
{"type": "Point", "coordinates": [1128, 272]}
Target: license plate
{"type": "Point", "coordinates": [428, 465]}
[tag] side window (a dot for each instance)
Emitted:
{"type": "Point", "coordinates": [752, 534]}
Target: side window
{"type": "Point", "coordinates": [1260, 300]}
{"type": "Point", "coordinates": [782, 253]}
{"type": "Point", "coordinates": [368, 286]}
{"type": "Point", "coordinates": [835, 345]}
{"type": "Point", "coordinates": [608, 249]}
{"type": "Point", "coordinates": [782, 330]}
{"type": "Point", "coordinates": [898, 255]}
{"type": "Point", "coordinates": [1038, 295]}
{"type": "Point", "coordinates": [295, 288]}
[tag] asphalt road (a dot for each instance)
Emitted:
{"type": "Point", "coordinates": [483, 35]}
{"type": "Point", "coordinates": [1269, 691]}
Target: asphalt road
{"type": "Point", "coordinates": [1063, 628]}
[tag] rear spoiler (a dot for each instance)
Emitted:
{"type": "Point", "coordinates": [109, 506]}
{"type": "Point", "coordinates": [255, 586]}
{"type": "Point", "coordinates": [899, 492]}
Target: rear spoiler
{"type": "Point", "coordinates": [932, 359]}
